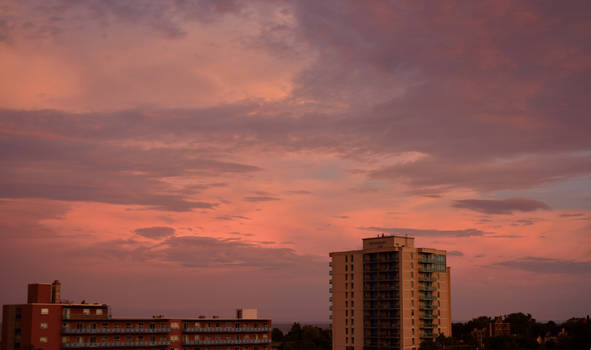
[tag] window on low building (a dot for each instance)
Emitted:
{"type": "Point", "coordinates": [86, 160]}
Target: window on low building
{"type": "Point", "coordinates": [43, 325]}
{"type": "Point", "coordinates": [42, 339]}
{"type": "Point", "coordinates": [44, 311]}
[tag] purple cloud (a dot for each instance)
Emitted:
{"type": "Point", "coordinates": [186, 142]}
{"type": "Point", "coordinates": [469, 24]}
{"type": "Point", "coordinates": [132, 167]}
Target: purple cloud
{"type": "Point", "coordinates": [155, 232]}
{"type": "Point", "coordinates": [470, 232]}
{"type": "Point", "coordinates": [547, 265]}
{"type": "Point", "coordinates": [503, 206]}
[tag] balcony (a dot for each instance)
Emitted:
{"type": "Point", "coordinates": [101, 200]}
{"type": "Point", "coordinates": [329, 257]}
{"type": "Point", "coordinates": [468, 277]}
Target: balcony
{"type": "Point", "coordinates": [426, 288]}
{"type": "Point", "coordinates": [427, 317]}
{"type": "Point", "coordinates": [426, 297]}
{"type": "Point", "coordinates": [426, 269]}
{"type": "Point", "coordinates": [114, 330]}
{"type": "Point", "coordinates": [427, 278]}
{"type": "Point", "coordinates": [119, 344]}
{"type": "Point", "coordinates": [428, 326]}
{"type": "Point", "coordinates": [227, 342]}
{"type": "Point", "coordinates": [428, 307]}
{"type": "Point", "coordinates": [225, 330]}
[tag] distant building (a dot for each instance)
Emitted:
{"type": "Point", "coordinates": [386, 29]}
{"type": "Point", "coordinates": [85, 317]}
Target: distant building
{"type": "Point", "coordinates": [499, 327]}
{"type": "Point", "coordinates": [495, 328]}
{"type": "Point", "coordinates": [49, 324]}
{"type": "Point", "coordinates": [389, 295]}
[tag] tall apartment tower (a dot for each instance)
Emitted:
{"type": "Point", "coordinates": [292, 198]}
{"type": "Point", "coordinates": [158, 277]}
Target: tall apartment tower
{"type": "Point", "coordinates": [389, 295]}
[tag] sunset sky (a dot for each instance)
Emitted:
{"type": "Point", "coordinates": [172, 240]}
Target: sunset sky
{"type": "Point", "coordinates": [188, 158]}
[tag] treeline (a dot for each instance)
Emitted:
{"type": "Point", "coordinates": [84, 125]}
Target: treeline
{"type": "Point", "coordinates": [302, 338]}
{"type": "Point", "coordinates": [526, 334]}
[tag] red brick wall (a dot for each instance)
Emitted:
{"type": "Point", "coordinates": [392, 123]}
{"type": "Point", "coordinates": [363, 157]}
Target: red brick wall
{"type": "Point", "coordinates": [39, 293]}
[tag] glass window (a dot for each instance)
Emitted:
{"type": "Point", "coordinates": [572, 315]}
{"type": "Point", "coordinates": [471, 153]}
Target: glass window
{"type": "Point", "coordinates": [43, 325]}
{"type": "Point", "coordinates": [44, 311]}
{"type": "Point", "coordinates": [86, 311]}
{"type": "Point", "coordinates": [43, 340]}
{"type": "Point", "coordinates": [99, 311]}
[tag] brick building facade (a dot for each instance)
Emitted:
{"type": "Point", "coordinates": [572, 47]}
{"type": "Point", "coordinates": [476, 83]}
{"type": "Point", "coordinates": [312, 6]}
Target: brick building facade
{"type": "Point", "coordinates": [48, 324]}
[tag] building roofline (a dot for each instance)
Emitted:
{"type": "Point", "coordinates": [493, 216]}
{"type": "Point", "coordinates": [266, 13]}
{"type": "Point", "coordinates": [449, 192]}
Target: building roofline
{"type": "Point", "coordinates": [382, 236]}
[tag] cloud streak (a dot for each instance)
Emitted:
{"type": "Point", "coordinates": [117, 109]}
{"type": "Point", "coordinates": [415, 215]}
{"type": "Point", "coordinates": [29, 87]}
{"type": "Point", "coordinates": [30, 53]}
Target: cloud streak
{"type": "Point", "coordinates": [503, 206]}
{"type": "Point", "coordinates": [156, 232]}
{"type": "Point", "coordinates": [469, 232]}
{"type": "Point", "coordinates": [547, 265]}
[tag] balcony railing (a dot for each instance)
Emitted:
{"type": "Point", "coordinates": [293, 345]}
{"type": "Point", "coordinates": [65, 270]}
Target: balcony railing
{"type": "Point", "coordinates": [428, 326]}
{"type": "Point", "coordinates": [226, 341]}
{"type": "Point", "coordinates": [113, 330]}
{"type": "Point", "coordinates": [427, 297]}
{"type": "Point", "coordinates": [426, 288]}
{"type": "Point", "coordinates": [225, 330]}
{"type": "Point", "coordinates": [427, 278]}
{"type": "Point", "coordinates": [119, 344]}
{"type": "Point", "coordinates": [427, 317]}
{"type": "Point", "coordinates": [426, 269]}
{"type": "Point", "coordinates": [428, 307]}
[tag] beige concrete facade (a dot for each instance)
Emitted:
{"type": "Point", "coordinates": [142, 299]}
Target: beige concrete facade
{"type": "Point", "coordinates": [389, 295]}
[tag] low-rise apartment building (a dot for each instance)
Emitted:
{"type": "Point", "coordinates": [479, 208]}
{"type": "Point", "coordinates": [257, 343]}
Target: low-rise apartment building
{"type": "Point", "coordinates": [46, 323]}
